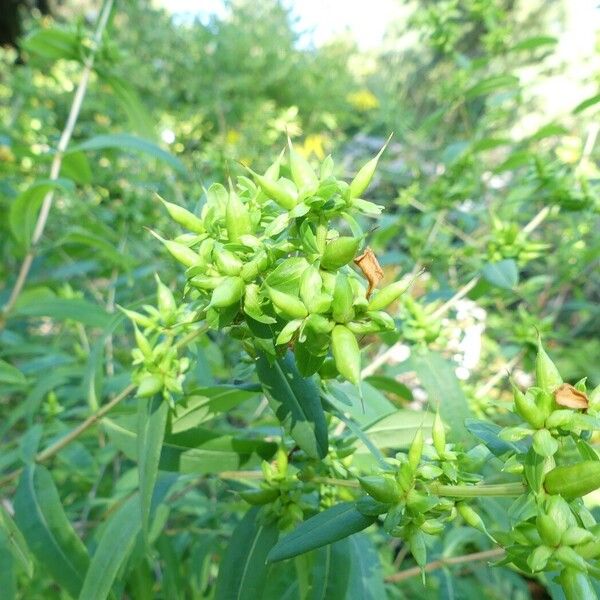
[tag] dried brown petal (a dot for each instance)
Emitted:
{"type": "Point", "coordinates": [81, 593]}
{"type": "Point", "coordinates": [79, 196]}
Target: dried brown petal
{"type": "Point", "coordinates": [367, 262]}
{"type": "Point", "coordinates": [567, 395]}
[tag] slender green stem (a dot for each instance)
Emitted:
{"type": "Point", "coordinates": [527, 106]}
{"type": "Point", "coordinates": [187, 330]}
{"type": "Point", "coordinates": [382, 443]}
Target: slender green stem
{"type": "Point", "coordinates": [475, 491]}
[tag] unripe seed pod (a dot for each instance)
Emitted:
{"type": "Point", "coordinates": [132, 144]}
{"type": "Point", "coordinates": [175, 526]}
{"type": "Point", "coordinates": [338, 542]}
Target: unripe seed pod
{"type": "Point", "coordinates": [416, 450]}
{"type": "Point", "coordinates": [137, 318]}
{"type": "Point", "coordinates": [310, 288]}
{"type": "Point", "coordinates": [576, 585]}
{"type": "Point", "coordinates": [237, 218]}
{"type": "Point", "coordinates": [575, 536]}
{"type": "Point", "coordinates": [363, 178]}
{"type": "Point", "coordinates": [142, 343]}
{"type": "Point", "coordinates": [548, 531]}
{"type": "Point", "coordinates": [545, 402]}
{"type": "Point", "coordinates": [321, 303]}
{"type": "Point", "coordinates": [381, 487]}
{"type": "Point", "coordinates": [227, 262]}
{"type": "Point", "coordinates": [228, 292]}
{"type": "Point", "coordinates": [339, 252]}
{"type": "Point", "coordinates": [257, 265]}
{"type": "Point", "coordinates": [387, 295]}
{"type": "Point", "coordinates": [539, 558]}
{"type": "Point", "coordinates": [150, 385]}
{"type": "Point", "coordinates": [276, 191]}
{"type": "Point", "coordinates": [438, 433]}
{"type": "Point", "coordinates": [319, 324]}
{"type": "Point", "coordinates": [527, 409]}
{"type": "Point", "coordinates": [432, 527]}
{"type": "Point", "coordinates": [558, 509]}
{"type": "Point", "coordinates": [363, 327]}
{"type": "Point", "coordinates": [183, 217]}
{"type": "Point", "coordinates": [164, 296]}
{"type": "Point", "coordinates": [560, 418]}
{"type": "Point", "coordinates": [594, 398]}
{"type": "Point", "coordinates": [180, 252]}
{"type": "Point", "coordinates": [546, 374]}
{"type": "Point", "coordinates": [272, 173]}
{"type": "Point", "coordinates": [405, 476]}
{"type": "Point", "coordinates": [290, 306]}
{"type": "Point", "coordinates": [573, 481]}
{"type": "Point", "coordinates": [544, 444]}
{"type": "Point", "coordinates": [341, 307]}
{"type": "Point", "coordinates": [383, 319]}
{"type": "Point", "coordinates": [259, 496]}
{"type": "Point", "coordinates": [302, 173]}
{"type": "Point", "coordinates": [205, 283]}
{"type": "Point", "coordinates": [471, 517]}
{"type": "Point", "coordinates": [346, 353]}
{"type": "Point", "coordinates": [590, 549]}
{"type": "Point", "coordinates": [568, 557]}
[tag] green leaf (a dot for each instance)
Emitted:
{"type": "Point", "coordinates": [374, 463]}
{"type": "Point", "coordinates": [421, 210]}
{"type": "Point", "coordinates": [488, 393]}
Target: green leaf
{"type": "Point", "coordinates": [534, 42]}
{"type": "Point", "coordinates": [390, 385]}
{"type": "Point", "coordinates": [437, 376]}
{"type": "Point", "coordinates": [586, 104]}
{"type": "Point", "coordinates": [194, 451]}
{"type": "Point", "coordinates": [487, 432]}
{"type": "Point", "coordinates": [327, 527]}
{"type": "Point", "coordinates": [11, 375]}
{"type": "Point", "coordinates": [62, 309]}
{"type": "Point", "coordinates": [24, 208]}
{"type": "Point", "coordinates": [152, 421]}
{"type": "Point", "coordinates": [125, 141]}
{"type": "Point", "coordinates": [15, 542]}
{"type": "Point", "coordinates": [503, 274]}
{"type": "Point", "coordinates": [243, 571]}
{"type": "Point", "coordinates": [8, 579]}
{"type": "Point", "coordinates": [76, 167]}
{"type": "Point", "coordinates": [398, 429]}
{"type": "Point", "coordinates": [492, 84]}
{"type": "Point", "coordinates": [53, 44]}
{"type": "Point", "coordinates": [331, 570]}
{"type": "Point", "coordinates": [47, 531]}
{"type": "Point", "coordinates": [366, 577]}
{"type": "Point", "coordinates": [296, 402]}
{"type": "Point", "coordinates": [115, 544]}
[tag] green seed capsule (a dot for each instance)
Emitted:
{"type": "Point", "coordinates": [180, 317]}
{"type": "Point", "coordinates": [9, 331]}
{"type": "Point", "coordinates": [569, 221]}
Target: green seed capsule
{"type": "Point", "coordinates": [259, 496]}
{"type": "Point", "coordinates": [290, 306]}
{"type": "Point", "coordinates": [310, 288]}
{"type": "Point", "coordinates": [302, 173]}
{"type": "Point", "coordinates": [183, 217]}
{"type": "Point", "coordinates": [387, 295]}
{"type": "Point", "coordinates": [180, 252]}
{"type": "Point", "coordinates": [276, 191]}
{"type": "Point", "coordinates": [319, 324]}
{"type": "Point", "coordinates": [573, 481]}
{"type": "Point", "coordinates": [575, 536]}
{"type": "Point", "coordinates": [438, 434]}
{"type": "Point", "coordinates": [432, 527]}
{"type": "Point", "coordinates": [237, 218]}
{"type": "Point", "coordinates": [539, 558]}
{"type": "Point", "coordinates": [547, 376]}
{"type": "Point", "coordinates": [142, 343]}
{"type": "Point", "coordinates": [339, 252]}
{"type": "Point", "coordinates": [137, 318]}
{"type": "Point", "coordinates": [416, 450]}
{"type": "Point", "coordinates": [594, 398]}
{"type": "Point", "coordinates": [526, 408]}
{"type": "Point", "coordinates": [470, 516]}
{"type": "Point", "coordinates": [576, 585]}
{"type": "Point", "coordinates": [228, 292]}
{"type": "Point", "coordinates": [150, 385]}
{"type": "Point", "coordinates": [346, 353]}
{"type": "Point", "coordinates": [165, 300]}
{"type": "Point", "coordinates": [341, 307]}
{"type": "Point", "coordinates": [568, 557]}
{"type": "Point", "coordinates": [381, 487]}
{"type": "Point", "coordinates": [205, 283]}
{"type": "Point", "coordinates": [227, 262]}
{"type": "Point", "coordinates": [363, 178]}
{"type": "Point", "coordinates": [253, 268]}
{"type": "Point", "coordinates": [559, 511]}
{"type": "Point", "coordinates": [548, 531]}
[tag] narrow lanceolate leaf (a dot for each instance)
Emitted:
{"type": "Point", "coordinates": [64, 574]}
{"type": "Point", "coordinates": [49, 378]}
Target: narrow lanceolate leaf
{"type": "Point", "coordinates": [15, 542]}
{"type": "Point", "coordinates": [8, 579]}
{"type": "Point", "coordinates": [330, 572]}
{"type": "Point", "coordinates": [296, 402]}
{"type": "Point", "coordinates": [47, 531]}
{"type": "Point", "coordinates": [243, 571]}
{"type": "Point", "coordinates": [152, 420]}
{"type": "Point", "coordinates": [327, 527]}
{"type": "Point", "coordinates": [114, 547]}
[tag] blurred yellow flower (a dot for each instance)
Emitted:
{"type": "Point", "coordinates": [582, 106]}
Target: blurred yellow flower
{"type": "Point", "coordinates": [363, 100]}
{"type": "Point", "coordinates": [233, 136]}
{"type": "Point", "coordinates": [569, 150]}
{"type": "Point", "coordinates": [313, 144]}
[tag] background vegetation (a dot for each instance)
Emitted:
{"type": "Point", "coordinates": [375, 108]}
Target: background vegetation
{"type": "Point", "coordinates": [490, 185]}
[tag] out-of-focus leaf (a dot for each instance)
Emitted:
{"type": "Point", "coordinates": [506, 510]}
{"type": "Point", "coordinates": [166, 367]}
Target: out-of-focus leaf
{"type": "Point", "coordinates": [76, 167]}
{"type": "Point", "coordinates": [243, 571]}
{"type": "Point", "coordinates": [398, 429]}
{"type": "Point", "coordinates": [15, 542]}
{"type": "Point", "coordinates": [492, 84]}
{"type": "Point", "coordinates": [487, 432]}
{"type": "Point", "coordinates": [62, 309]}
{"type": "Point", "coordinates": [11, 375]}
{"type": "Point", "coordinates": [535, 42]}
{"type": "Point", "coordinates": [327, 527]}
{"type": "Point", "coordinates": [331, 571]}
{"type": "Point", "coordinates": [53, 43]}
{"type": "Point", "coordinates": [587, 103]}
{"type": "Point", "coordinates": [40, 517]}
{"type": "Point", "coordinates": [390, 385]}
{"type": "Point", "coordinates": [115, 544]}
{"type": "Point", "coordinates": [125, 141]}
{"type": "Point", "coordinates": [437, 376]}
{"type": "Point", "coordinates": [296, 402]}
{"type": "Point", "coordinates": [152, 421]}
{"type": "Point", "coordinates": [366, 577]}
{"type": "Point", "coordinates": [503, 274]}
{"type": "Point", "coordinates": [8, 579]}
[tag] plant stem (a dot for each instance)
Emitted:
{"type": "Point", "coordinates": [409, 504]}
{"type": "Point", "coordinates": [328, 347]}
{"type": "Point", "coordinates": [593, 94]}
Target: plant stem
{"type": "Point", "coordinates": [475, 491]}
{"type": "Point", "coordinates": [61, 148]}
{"type": "Point", "coordinates": [443, 562]}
